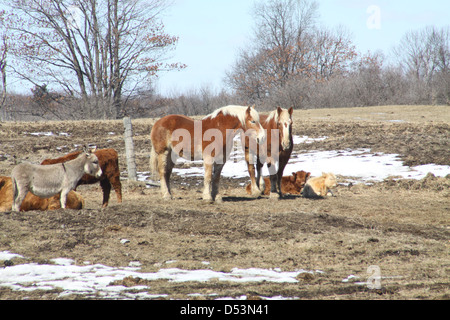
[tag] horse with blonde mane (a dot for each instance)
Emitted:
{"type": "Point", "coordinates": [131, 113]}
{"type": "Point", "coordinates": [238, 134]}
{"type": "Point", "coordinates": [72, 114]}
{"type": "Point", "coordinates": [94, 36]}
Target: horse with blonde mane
{"type": "Point", "coordinates": [209, 139]}
{"type": "Point", "coordinates": [276, 149]}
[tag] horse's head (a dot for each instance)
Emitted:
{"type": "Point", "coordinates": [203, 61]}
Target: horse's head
{"type": "Point", "coordinates": [91, 165]}
{"type": "Point", "coordinates": [284, 125]}
{"type": "Point", "coordinates": [252, 124]}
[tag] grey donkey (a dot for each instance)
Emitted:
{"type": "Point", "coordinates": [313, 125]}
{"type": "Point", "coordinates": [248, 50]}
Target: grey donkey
{"type": "Point", "coordinates": [47, 180]}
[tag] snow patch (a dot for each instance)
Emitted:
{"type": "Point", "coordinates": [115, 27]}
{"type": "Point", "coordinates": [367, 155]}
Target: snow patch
{"type": "Point", "coordinates": [361, 165]}
{"type": "Point", "coordinates": [96, 280]}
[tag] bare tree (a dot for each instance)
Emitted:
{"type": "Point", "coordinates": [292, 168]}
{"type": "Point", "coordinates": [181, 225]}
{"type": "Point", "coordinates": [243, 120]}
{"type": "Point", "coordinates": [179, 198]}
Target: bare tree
{"type": "Point", "coordinates": [424, 55]}
{"type": "Point", "coordinates": [4, 46]}
{"type": "Point", "coordinates": [249, 76]}
{"type": "Point", "coordinates": [96, 50]}
{"type": "Point", "coordinates": [424, 52]}
{"type": "Point", "coordinates": [280, 45]}
{"type": "Point", "coordinates": [282, 33]}
{"type": "Point", "coordinates": [331, 53]}
{"type": "Point", "coordinates": [288, 47]}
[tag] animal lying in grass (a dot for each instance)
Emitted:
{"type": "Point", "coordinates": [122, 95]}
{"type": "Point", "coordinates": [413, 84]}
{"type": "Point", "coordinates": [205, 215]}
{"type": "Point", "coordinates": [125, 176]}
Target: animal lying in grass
{"type": "Point", "coordinates": [32, 202]}
{"type": "Point", "coordinates": [292, 184]}
{"type": "Point", "coordinates": [318, 187]}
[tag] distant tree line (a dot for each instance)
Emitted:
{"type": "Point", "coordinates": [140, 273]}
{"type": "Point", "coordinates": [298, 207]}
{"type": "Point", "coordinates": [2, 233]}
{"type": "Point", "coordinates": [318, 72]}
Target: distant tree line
{"type": "Point", "coordinates": [294, 63]}
{"type": "Point", "coordinates": [97, 59]}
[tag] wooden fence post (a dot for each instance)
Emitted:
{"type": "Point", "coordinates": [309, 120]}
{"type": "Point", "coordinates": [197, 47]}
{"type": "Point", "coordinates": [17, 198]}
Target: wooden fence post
{"type": "Point", "coordinates": [129, 149]}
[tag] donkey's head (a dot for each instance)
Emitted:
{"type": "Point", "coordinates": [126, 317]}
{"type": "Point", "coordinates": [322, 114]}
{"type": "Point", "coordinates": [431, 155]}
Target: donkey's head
{"type": "Point", "coordinates": [91, 165]}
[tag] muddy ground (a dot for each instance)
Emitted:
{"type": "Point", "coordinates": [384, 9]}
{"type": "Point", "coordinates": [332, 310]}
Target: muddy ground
{"type": "Point", "coordinates": [401, 226]}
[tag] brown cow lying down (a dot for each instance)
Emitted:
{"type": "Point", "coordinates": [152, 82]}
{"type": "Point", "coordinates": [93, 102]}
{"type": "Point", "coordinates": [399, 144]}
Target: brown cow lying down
{"type": "Point", "coordinates": [319, 187]}
{"type": "Point", "coordinates": [109, 163]}
{"type": "Point", "coordinates": [32, 202]}
{"type": "Point", "coordinates": [292, 184]}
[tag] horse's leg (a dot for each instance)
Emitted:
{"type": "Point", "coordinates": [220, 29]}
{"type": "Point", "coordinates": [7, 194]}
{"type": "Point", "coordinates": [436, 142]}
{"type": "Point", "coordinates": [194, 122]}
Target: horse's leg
{"type": "Point", "coordinates": [215, 182]}
{"type": "Point", "coordinates": [207, 192]}
{"type": "Point", "coordinates": [273, 186]}
{"type": "Point", "coordinates": [259, 176]}
{"type": "Point", "coordinates": [256, 192]}
{"type": "Point", "coordinates": [106, 188]}
{"type": "Point", "coordinates": [282, 162]}
{"type": "Point", "coordinates": [273, 179]}
{"type": "Point", "coordinates": [279, 176]}
{"type": "Point", "coordinates": [164, 175]}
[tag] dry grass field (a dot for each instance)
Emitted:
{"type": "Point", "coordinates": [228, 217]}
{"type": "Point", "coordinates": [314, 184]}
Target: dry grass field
{"type": "Point", "coordinates": [400, 226]}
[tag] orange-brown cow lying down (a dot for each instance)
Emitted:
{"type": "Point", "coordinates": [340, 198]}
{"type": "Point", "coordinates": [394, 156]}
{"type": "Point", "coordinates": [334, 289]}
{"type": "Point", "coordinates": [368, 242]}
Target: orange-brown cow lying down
{"type": "Point", "coordinates": [319, 187]}
{"type": "Point", "coordinates": [292, 184]}
{"type": "Point", "coordinates": [109, 163]}
{"type": "Point", "coordinates": [32, 202]}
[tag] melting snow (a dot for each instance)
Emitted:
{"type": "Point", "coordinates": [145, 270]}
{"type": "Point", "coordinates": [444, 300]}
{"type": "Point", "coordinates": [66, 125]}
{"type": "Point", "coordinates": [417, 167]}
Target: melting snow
{"type": "Point", "coordinates": [361, 164]}
{"type": "Point", "coordinates": [47, 134]}
{"type": "Point", "coordinates": [96, 279]}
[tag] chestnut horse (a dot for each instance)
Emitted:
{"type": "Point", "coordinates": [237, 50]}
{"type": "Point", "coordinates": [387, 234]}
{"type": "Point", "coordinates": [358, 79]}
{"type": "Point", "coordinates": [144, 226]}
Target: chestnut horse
{"type": "Point", "coordinates": [196, 135]}
{"type": "Point", "coordinates": [278, 148]}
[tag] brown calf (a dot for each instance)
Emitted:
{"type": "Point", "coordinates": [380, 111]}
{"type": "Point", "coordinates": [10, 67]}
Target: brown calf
{"type": "Point", "coordinates": [289, 184]}
{"type": "Point", "coordinates": [109, 163]}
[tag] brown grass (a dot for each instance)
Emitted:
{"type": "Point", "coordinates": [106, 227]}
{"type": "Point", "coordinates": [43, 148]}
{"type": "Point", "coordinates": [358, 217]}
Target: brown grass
{"type": "Point", "coordinates": [401, 226]}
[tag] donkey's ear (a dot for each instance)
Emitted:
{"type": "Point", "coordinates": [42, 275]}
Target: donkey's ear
{"type": "Point", "coordinates": [86, 149]}
{"type": "Point", "coordinates": [94, 149]}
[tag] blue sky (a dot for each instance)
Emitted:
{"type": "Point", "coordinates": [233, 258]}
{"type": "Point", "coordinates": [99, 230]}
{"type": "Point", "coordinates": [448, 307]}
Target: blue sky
{"type": "Point", "coordinates": [212, 32]}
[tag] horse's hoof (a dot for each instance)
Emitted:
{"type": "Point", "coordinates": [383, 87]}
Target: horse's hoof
{"type": "Point", "coordinates": [256, 193]}
{"type": "Point", "coordinates": [218, 199]}
{"type": "Point", "coordinates": [207, 199]}
{"type": "Point", "coordinates": [167, 197]}
{"type": "Point", "coordinates": [275, 196]}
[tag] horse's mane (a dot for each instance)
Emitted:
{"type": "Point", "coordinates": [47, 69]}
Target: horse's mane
{"type": "Point", "coordinates": [237, 111]}
{"type": "Point", "coordinates": [274, 115]}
